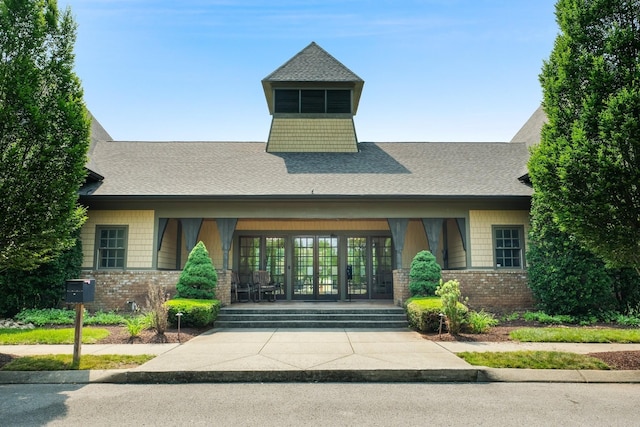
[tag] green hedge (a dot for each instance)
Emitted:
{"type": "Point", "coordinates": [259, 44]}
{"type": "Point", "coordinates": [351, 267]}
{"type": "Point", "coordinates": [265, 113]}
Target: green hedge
{"type": "Point", "coordinates": [423, 313]}
{"type": "Point", "coordinates": [197, 313]}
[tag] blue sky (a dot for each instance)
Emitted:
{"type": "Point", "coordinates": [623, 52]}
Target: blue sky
{"type": "Point", "coordinates": [434, 70]}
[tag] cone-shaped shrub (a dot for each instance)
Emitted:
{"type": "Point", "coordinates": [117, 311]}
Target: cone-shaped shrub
{"type": "Point", "coordinates": [198, 279]}
{"type": "Point", "coordinates": [424, 276]}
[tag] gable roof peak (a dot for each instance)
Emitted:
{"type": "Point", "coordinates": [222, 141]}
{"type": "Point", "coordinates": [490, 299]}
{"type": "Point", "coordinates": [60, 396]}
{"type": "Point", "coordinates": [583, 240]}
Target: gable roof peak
{"type": "Point", "coordinates": [312, 64]}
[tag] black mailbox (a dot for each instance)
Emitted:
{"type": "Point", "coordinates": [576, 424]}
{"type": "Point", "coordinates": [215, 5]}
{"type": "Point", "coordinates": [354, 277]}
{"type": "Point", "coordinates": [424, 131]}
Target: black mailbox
{"type": "Point", "coordinates": [80, 290]}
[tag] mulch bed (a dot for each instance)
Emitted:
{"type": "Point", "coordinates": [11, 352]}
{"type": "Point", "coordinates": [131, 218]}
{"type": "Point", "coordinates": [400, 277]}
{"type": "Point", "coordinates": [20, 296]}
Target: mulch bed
{"type": "Point", "coordinates": [120, 335]}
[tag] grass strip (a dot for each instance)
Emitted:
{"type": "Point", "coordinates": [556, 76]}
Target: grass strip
{"type": "Point", "coordinates": [50, 336]}
{"type": "Point", "coordinates": [533, 360]}
{"type": "Point", "coordinates": [576, 335]}
{"type": "Point", "coordinates": [64, 362]}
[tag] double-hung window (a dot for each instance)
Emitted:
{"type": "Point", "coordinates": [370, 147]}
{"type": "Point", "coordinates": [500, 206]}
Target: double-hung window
{"type": "Point", "coordinates": [508, 243]}
{"type": "Point", "coordinates": [112, 246]}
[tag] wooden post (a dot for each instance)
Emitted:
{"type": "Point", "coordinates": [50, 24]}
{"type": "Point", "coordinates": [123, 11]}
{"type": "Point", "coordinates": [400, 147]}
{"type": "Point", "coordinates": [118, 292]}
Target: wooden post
{"type": "Point", "coordinates": [77, 343]}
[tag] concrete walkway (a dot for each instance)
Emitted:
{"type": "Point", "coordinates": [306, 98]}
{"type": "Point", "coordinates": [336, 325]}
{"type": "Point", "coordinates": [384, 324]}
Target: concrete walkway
{"type": "Point", "coordinates": [312, 355]}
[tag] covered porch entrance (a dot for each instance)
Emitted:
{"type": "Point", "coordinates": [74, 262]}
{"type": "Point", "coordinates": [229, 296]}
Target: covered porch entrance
{"type": "Point", "coordinates": [320, 267]}
{"type": "Point", "coordinates": [314, 259]}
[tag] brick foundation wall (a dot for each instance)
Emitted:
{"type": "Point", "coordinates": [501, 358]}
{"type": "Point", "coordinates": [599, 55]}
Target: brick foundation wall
{"type": "Point", "coordinates": [495, 291]}
{"type": "Point", "coordinates": [401, 286]}
{"type": "Point", "coordinates": [115, 288]}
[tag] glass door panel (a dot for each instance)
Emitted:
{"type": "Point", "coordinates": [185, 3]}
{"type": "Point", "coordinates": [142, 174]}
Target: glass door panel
{"type": "Point", "coordinates": [327, 284]}
{"type": "Point", "coordinates": [382, 267]}
{"type": "Point", "coordinates": [303, 267]}
{"type": "Point", "coordinates": [315, 268]}
{"type": "Point", "coordinates": [275, 263]}
{"type": "Point", "coordinates": [358, 285]}
{"type": "Point", "coordinates": [249, 258]}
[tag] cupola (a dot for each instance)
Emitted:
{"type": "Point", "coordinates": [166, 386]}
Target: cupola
{"type": "Point", "coordinates": [312, 98]}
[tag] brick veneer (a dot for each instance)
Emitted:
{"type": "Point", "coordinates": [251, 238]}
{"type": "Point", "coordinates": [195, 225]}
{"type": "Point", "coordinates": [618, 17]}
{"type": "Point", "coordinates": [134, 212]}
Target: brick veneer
{"type": "Point", "coordinates": [493, 290]}
{"type": "Point", "coordinates": [401, 286]}
{"type": "Point", "coordinates": [115, 288]}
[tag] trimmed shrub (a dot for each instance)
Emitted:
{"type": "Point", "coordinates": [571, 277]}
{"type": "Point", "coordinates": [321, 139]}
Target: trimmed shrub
{"type": "Point", "coordinates": [425, 274]}
{"type": "Point", "coordinates": [423, 313]}
{"type": "Point", "coordinates": [454, 310]}
{"type": "Point", "coordinates": [198, 279]}
{"type": "Point", "coordinates": [196, 313]}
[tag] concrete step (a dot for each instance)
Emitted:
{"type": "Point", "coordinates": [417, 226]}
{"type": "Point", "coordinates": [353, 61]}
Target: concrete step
{"type": "Point", "coordinates": [311, 324]}
{"type": "Point", "coordinates": [307, 316]}
{"type": "Point", "coordinates": [311, 311]}
{"type": "Point", "coordinates": [311, 318]}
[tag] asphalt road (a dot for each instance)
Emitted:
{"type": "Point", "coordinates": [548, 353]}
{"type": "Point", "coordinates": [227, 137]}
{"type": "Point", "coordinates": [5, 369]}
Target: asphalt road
{"type": "Point", "coordinates": [508, 404]}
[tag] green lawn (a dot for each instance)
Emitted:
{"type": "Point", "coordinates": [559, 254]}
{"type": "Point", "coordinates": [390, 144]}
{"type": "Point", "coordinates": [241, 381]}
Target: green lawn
{"type": "Point", "coordinates": [50, 336]}
{"type": "Point", "coordinates": [576, 335]}
{"type": "Point", "coordinates": [533, 360]}
{"type": "Point", "coordinates": [63, 362]}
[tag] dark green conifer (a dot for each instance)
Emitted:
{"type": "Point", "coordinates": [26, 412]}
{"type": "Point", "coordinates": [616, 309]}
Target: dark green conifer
{"type": "Point", "coordinates": [199, 278]}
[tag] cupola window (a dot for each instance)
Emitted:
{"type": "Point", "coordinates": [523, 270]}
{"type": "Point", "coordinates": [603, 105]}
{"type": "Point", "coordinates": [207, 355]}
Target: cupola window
{"type": "Point", "coordinates": [313, 101]}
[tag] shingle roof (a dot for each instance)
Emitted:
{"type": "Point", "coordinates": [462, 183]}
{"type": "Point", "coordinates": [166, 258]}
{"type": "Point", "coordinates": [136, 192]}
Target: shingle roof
{"type": "Point", "coordinates": [244, 169]}
{"type": "Point", "coordinates": [98, 133]}
{"type": "Point", "coordinates": [312, 64]}
{"type": "Point", "coordinates": [529, 133]}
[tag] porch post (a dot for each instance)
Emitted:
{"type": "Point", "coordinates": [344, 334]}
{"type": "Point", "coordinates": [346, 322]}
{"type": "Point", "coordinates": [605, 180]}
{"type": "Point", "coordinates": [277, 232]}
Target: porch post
{"type": "Point", "coordinates": [226, 227]}
{"type": "Point", "coordinates": [433, 227]}
{"type": "Point", "coordinates": [191, 227]}
{"type": "Point", "coordinates": [162, 227]}
{"type": "Point", "coordinates": [398, 227]}
{"type": "Point", "coordinates": [462, 228]}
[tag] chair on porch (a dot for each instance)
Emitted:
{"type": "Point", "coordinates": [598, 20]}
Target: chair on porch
{"type": "Point", "coordinates": [263, 286]}
{"type": "Point", "coordinates": [239, 289]}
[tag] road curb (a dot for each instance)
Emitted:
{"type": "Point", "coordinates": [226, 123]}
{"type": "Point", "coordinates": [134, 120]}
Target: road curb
{"type": "Point", "coordinates": [557, 376]}
{"type": "Point", "coordinates": [479, 375]}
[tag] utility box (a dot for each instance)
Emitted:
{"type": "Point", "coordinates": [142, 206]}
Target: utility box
{"type": "Point", "coordinates": [80, 290]}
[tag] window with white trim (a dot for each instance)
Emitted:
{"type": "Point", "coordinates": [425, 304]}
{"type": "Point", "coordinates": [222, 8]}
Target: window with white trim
{"type": "Point", "coordinates": [111, 246]}
{"type": "Point", "coordinates": [508, 243]}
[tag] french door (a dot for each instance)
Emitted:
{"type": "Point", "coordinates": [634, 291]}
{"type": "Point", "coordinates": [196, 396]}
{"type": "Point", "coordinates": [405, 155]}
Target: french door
{"type": "Point", "coordinates": [320, 267]}
{"type": "Point", "coordinates": [315, 268]}
{"type": "Point", "coordinates": [369, 267]}
{"type": "Point", "coordinates": [263, 253]}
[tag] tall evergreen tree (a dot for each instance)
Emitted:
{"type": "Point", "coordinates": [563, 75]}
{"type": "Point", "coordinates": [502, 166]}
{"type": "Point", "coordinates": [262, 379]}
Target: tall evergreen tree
{"type": "Point", "coordinates": [588, 162]}
{"type": "Point", "coordinates": [565, 278]}
{"type": "Point", "coordinates": [44, 134]}
{"type": "Point", "coordinates": [199, 278]}
{"type": "Point", "coordinates": [424, 274]}
{"type": "Point", "coordinates": [43, 287]}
